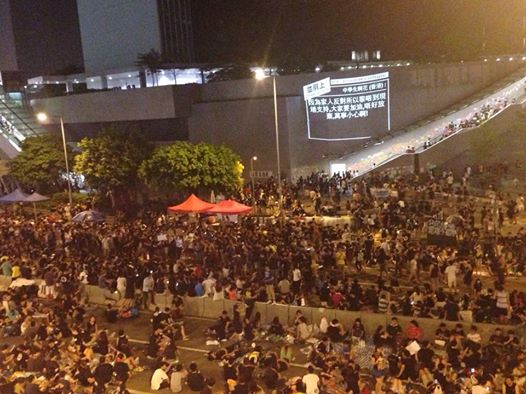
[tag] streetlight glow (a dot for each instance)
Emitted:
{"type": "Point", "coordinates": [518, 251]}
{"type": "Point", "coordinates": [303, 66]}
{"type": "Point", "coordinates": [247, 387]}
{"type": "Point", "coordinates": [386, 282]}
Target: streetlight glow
{"type": "Point", "coordinates": [42, 117]}
{"type": "Point", "coordinates": [254, 157]}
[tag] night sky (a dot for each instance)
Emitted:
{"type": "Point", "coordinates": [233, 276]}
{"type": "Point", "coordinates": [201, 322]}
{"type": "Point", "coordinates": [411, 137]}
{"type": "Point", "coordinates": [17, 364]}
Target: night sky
{"type": "Point", "coordinates": [320, 30]}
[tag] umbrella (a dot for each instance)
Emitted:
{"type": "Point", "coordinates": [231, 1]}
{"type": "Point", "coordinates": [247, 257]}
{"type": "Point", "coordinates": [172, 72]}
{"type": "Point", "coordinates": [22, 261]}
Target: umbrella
{"type": "Point", "coordinates": [88, 216]}
{"type": "Point", "coordinates": [15, 196]}
{"type": "Point", "coordinates": [34, 198]}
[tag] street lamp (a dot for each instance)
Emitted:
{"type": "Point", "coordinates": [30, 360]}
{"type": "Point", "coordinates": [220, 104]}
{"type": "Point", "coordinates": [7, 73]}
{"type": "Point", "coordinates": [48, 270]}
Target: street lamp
{"type": "Point", "coordinates": [43, 117]}
{"type": "Point", "coordinates": [252, 160]}
{"type": "Point", "coordinates": [259, 75]}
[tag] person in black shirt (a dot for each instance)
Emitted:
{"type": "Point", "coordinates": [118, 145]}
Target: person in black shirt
{"type": "Point", "coordinates": [335, 331]}
{"type": "Point", "coordinates": [394, 331]}
{"type": "Point", "coordinates": [121, 369]}
{"type": "Point", "coordinates": [84, 375]}
{"type": "Point", "coordinates": [195, 379]}
{"type": "Point", "coordinates": [103, 373]}
{"type": "Point", "coordinates": [451, 310]}
{"type": "Point", "coordinates": [270, 377]}
{"type": "Point", "coordinates": [229, 369]}
{"type": "Point", "coordinates": [425, 355]}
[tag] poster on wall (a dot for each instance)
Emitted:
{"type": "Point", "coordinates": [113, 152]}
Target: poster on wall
{"type": "Point", "coordinates": [340, 109]}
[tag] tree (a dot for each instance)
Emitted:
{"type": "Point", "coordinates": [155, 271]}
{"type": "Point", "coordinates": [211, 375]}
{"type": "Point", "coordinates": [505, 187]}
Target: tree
{"type": "Point", "coordinates": [183, 166]}
{"type": "Point", "coordinates": [109, 162]}
{"type": "Point", "coordinates": [41, 164]}
{"type": "Point", "coordinates": [151, 61]}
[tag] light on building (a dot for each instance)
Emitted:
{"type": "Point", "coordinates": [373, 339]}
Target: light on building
{"type": "Point", "coordinates": [259, 74]}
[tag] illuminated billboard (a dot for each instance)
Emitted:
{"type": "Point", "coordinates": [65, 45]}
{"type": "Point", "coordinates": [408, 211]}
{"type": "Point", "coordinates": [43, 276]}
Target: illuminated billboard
{"type": "Point", "coordinates": [342, 109]}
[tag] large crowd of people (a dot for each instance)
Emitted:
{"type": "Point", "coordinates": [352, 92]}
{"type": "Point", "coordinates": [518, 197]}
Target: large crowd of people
{"type": "Point", "coordinates": [381, 261]}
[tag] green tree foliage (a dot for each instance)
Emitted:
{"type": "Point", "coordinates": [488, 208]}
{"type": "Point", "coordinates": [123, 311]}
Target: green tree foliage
{"type": "Point", "coordinates": [193, 167]}
{"type": "Point", "coordinates": [110, 161]}
{"type": "Point", "coordinates": [40, 164]}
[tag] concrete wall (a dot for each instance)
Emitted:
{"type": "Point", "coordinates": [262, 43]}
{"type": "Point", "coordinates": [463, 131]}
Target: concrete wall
{"type": "Point", "coordinates": [163, 102]}
{"type": "Point", "coordinates": [206, 307]}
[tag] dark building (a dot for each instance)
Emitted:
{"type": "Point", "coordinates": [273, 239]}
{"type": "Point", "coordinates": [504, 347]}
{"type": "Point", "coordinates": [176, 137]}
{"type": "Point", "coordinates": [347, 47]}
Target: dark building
{"type": "Point", "coordinates": [40, 37]}
{"type": "Point", "coordinates": [175, 23]}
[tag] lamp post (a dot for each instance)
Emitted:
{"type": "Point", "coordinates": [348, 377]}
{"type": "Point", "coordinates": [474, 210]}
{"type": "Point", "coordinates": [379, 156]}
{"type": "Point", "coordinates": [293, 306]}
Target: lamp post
{"type": "Point", "coordinates": [252, 160]}
{"type": "Point", "coordinates": [43, 117]}
{"type": "Point", "coordinates": [259, 75]}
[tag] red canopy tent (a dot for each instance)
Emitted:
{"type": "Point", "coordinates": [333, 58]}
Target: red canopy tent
{"type": "Point", "coordinates": [192, 204]}
{"type": "Point", "coordinates": [230, 207]}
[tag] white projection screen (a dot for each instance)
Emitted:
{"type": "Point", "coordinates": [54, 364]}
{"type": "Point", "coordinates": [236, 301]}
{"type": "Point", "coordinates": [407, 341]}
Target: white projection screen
{"type": "Point", "coordinates": [342, 109]}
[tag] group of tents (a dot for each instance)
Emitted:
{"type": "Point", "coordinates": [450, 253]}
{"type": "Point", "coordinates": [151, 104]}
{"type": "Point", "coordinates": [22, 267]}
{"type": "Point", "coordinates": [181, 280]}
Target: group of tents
{"type": "Point", "coordinates": [194, 204]}
{"type": "Point", "coordinates": [18, 196]}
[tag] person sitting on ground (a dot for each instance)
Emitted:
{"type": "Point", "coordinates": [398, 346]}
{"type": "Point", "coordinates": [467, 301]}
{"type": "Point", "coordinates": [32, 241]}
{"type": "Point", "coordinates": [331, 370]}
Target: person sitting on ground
{"type": "Point", "coordinates": [335, 331]}
{"type": "Point", "coordinates": [195, 379]}
{"type": "Point", "coordinates": [160, 378]}
{"type": "Point", "coordinates": [303, 331]}
{"type": "Point", "coordinates": [276, 330]}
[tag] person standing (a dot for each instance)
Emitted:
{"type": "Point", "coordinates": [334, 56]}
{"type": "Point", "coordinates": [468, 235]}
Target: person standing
{"type": "Point", "coordinates": [296, 280]}
{"type": "Point", "coordinates": [148, 284]}
{"type": "Point", "coordinates": [269, 286]}
{"type": "Point", "coordinates": [451, 273]}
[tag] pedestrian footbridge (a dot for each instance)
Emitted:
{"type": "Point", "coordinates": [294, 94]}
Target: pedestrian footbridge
{"type": "Point", "coordinates": [469, 114]}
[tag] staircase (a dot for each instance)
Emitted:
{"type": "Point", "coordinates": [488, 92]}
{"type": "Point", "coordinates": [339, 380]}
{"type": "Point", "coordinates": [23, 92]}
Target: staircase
{"type": "Point", "coordinates": [16, 124]}
{"type": "Point", "coordinates": [430, 132]}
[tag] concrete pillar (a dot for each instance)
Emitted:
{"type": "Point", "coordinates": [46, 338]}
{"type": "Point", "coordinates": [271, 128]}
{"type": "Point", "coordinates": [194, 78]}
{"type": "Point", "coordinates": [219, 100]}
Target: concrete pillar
{"type": "Point", "coordinates": [103, 82]}
{"type": "Point", "coordinates": [416, 163]}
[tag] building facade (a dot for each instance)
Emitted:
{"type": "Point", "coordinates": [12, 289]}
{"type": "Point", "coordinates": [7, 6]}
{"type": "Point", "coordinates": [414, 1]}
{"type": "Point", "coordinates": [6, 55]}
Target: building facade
{"type": "Point", "coordinates": [30, 32]}
{"type": "Point", "coordinates": [240, 114]}
{"type": "Point", "coordinates": [115, 32]}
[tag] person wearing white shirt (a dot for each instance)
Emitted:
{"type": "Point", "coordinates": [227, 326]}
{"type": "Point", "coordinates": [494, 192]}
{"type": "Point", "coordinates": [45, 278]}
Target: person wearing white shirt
{"type": "Point", "coordinates": [296, 280]}
{"type": "Point", "coordinates": [160, 378]}
{"type": "Point", "coordinates": [311, 381]}
{"type": "Point", "coordinates": [208, 285]}
{"type": "Point", "coordinates": [83, 281]}
{"type": "Point", "coordinates": [121, 285]}
{"type": "Point", "coordinates": [451, 273]}
{"type": "Point", "coordinates": [148, 284]}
